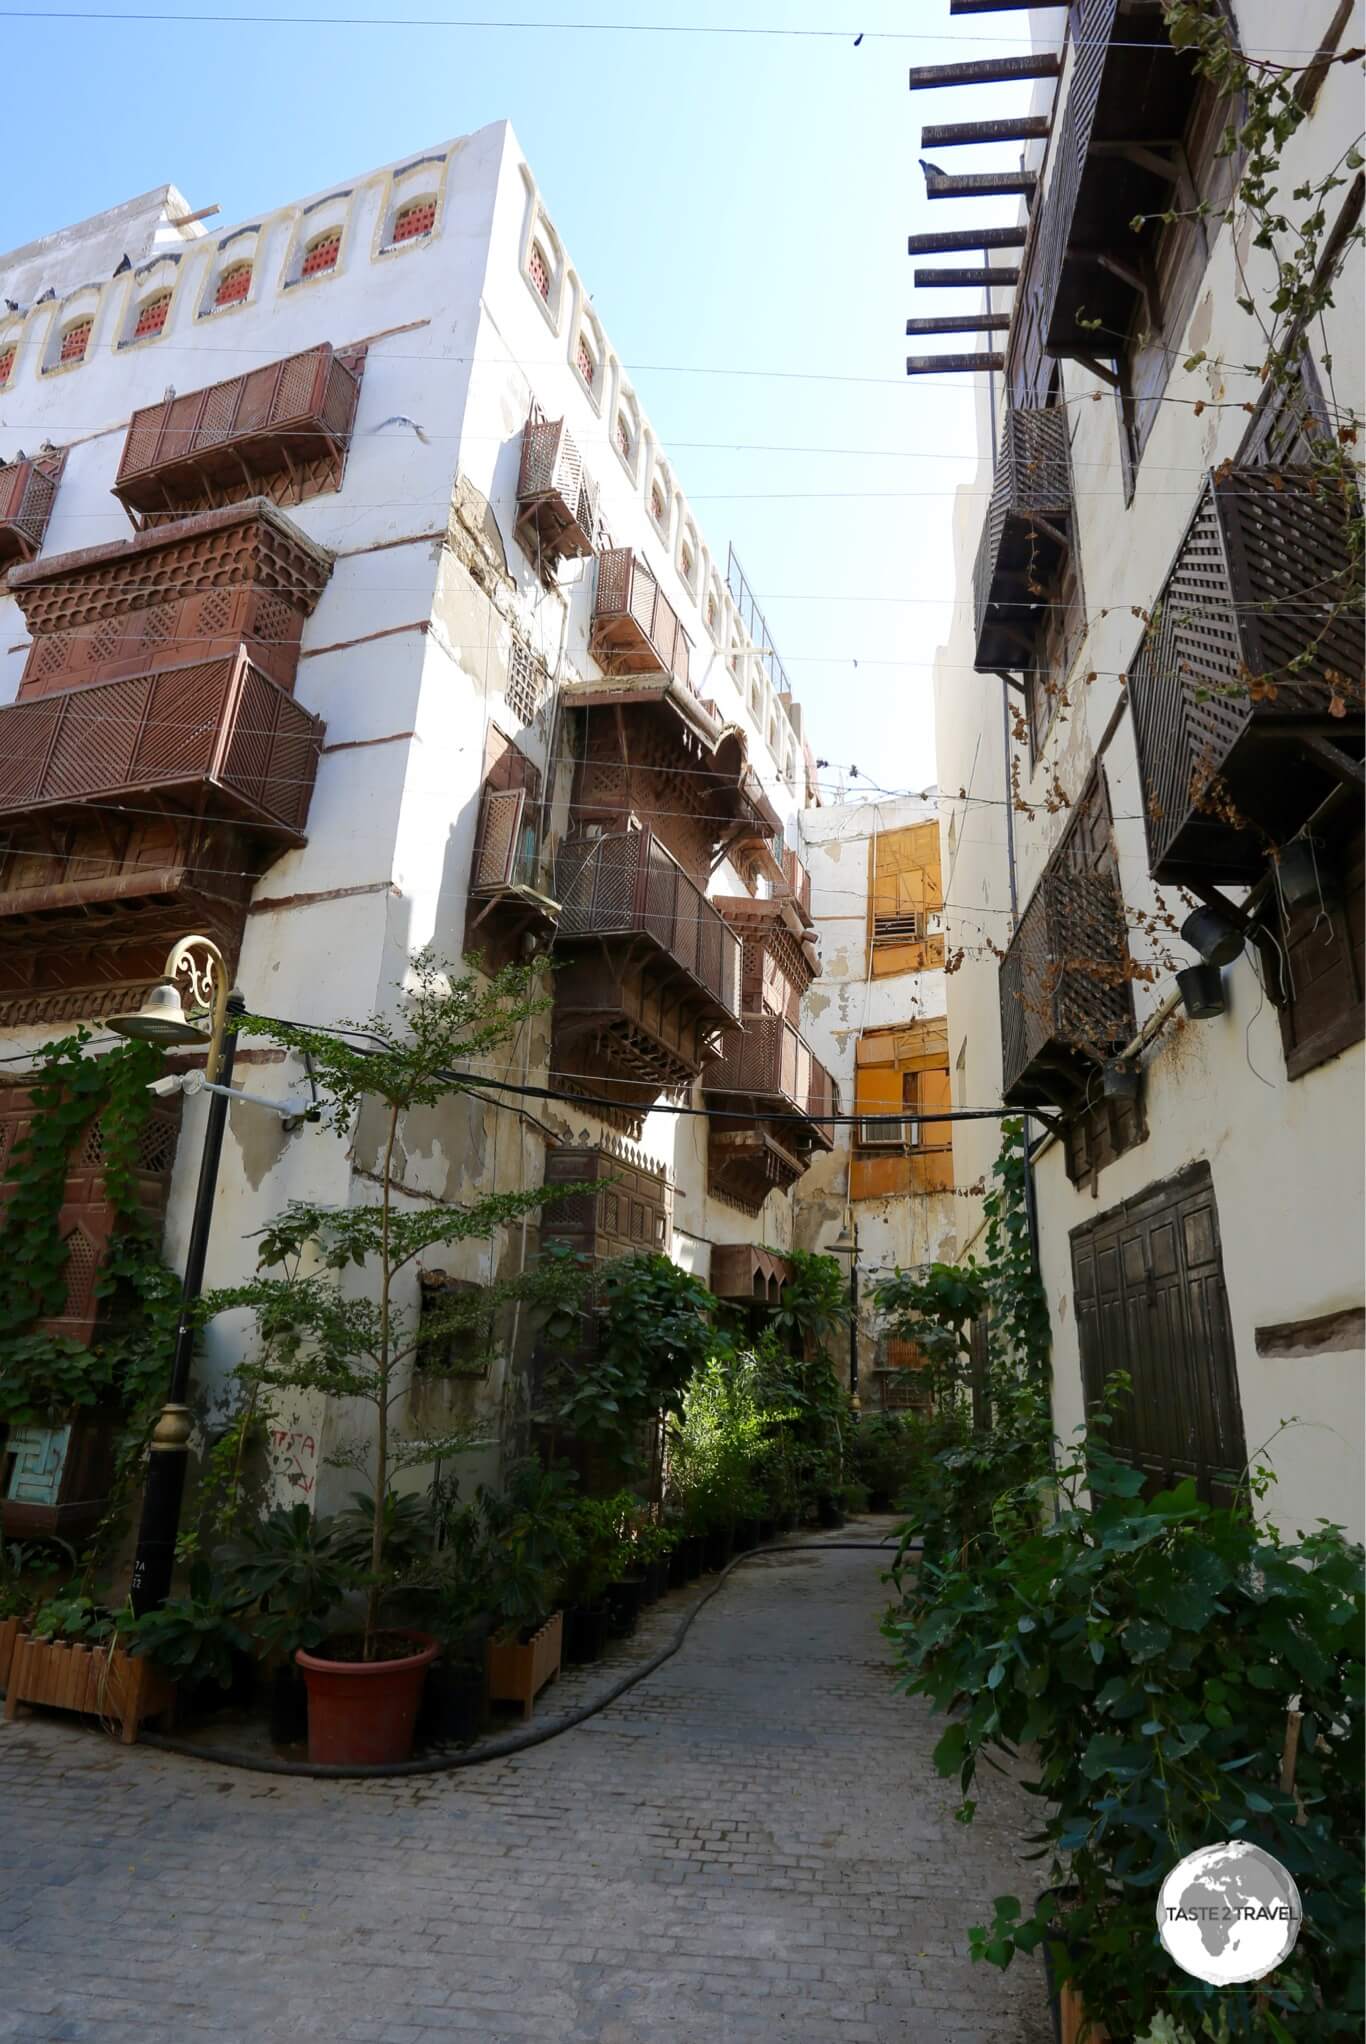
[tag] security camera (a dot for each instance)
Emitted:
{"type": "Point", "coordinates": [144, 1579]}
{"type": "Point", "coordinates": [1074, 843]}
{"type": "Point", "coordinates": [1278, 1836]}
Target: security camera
{"type": "Point", "coordinates": [164, 1087]}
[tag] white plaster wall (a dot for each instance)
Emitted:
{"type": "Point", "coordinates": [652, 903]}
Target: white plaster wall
{"type": "Point", "coordinates": [1285, 1158]}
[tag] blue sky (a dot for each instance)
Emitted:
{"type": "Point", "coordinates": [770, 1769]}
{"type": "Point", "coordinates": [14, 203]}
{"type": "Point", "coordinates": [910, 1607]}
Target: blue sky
{"type": "Point", "coordinates": [736, 203]}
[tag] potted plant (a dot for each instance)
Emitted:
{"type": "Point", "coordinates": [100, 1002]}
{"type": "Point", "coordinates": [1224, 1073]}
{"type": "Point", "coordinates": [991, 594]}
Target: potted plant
{"type": "Point", "coordinates": [530, 1544]}
{"type": "Point", "coordinates": [28, 1570]}
{"type": "Point", "coordinates": [73, 1658]}
{"type": "Point", "coordinates": [336, 1304]}
{"type": "Point", "coordinates": [453, 1586]}
{"type": "Point", "coordinates": [293, 1569]}
{"type": "Point", "coordinates": [197, 1641]}
{"type": "Point", "coordinates": [599, 1552]}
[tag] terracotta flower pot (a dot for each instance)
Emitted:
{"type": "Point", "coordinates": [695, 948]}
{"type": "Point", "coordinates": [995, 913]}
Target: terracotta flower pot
{"type": "Point", "coordinates": [362, 1713]}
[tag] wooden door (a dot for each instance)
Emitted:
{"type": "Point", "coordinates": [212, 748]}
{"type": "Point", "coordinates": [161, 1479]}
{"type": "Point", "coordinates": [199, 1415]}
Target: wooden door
{"type": "Point", "coordinates": [1148, 1282]}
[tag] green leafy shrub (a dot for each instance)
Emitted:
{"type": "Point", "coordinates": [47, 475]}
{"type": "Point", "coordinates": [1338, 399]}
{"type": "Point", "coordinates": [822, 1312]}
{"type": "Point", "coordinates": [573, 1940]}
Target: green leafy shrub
{"type": "Point", "coordinates": [1147, 1652]}
{"type": "Point", "coordinates": [887, 1450]}
{"type": "Point", "coordinates": [294, 1570]}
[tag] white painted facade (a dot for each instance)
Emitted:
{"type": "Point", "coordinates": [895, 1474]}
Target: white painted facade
{"type": "Point", "coordinates": [1285, 1157]}
{"type": "Point", "coordinates": [406, 656]}
{"type": "Point", "coordinates": [907, 1230]}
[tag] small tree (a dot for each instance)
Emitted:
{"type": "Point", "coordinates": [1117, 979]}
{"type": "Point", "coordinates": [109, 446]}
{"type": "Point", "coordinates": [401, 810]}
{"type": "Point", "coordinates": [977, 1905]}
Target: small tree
{"type": "Point", "coordinates": [315, 1335]}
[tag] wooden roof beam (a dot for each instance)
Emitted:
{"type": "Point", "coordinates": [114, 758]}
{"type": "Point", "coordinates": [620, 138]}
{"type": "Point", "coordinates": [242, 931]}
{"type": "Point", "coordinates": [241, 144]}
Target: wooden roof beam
{"type": "Point", "coordinates": [982, 184]}
{"type": "Point", "coordinates": [926, 365]}
{"type": "Point", "coordinates": [945, 241]}
{"type": "Point", "coordinates": [1025, 128]}
{"type": "Point", "coordinates": [962, 323]}
{"type": "Point", "coordinates": [985, 71]}
{"type": "Point", "coordinates": [955, 279]}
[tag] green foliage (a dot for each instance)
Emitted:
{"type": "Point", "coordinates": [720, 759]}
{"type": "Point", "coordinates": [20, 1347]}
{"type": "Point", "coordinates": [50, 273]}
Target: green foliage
{"type": "Point", "coordinates": [653, 1326]}
{"type": "Point", "coordinates": [73, 1616]}
{"type": "Point", "coordinates": [602, 1544]}
{"type": "Point", "coordinates": [815, 1301]}
{"type": "Point", "coordinates": [27, 1572]}
{"type": "Point", "coordinates": [45, 1376]}
{"type": "Point", "coordinates": [719, 1443]}
{"type": "Point", "coordinates": [294, 1569]}
{"type": "Point", "coordinates": [193, 1638]}
{"type": "Point", "coordinates": [529, 1544]}
{"type": "Point", "coordinates": [888, 1450]}
{"type": "Point", "coordinates": [1146, 1652]}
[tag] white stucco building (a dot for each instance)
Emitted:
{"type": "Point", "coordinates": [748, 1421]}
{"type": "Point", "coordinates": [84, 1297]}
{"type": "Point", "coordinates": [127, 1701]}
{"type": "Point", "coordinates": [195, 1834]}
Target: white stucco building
{"type": "Point", "coordinates": [356, 607]}
{"type": "Point", "coordinates": [1153, 543]}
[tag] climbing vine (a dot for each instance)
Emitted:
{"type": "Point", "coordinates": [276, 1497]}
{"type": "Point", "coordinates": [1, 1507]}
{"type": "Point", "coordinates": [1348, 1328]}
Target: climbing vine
{"type": "Point", "coordinates": [44, 1376]}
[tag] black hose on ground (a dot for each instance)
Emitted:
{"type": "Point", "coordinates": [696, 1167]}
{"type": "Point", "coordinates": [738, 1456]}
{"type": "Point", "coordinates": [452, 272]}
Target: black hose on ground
{"type": "Point", "coordinates": [508, 1742]}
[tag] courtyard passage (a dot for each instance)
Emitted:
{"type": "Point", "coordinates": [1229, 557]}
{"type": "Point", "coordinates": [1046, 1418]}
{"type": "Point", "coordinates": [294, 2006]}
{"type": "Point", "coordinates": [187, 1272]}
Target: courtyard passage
{"type": "Point", "coordinates": [750, 1845]}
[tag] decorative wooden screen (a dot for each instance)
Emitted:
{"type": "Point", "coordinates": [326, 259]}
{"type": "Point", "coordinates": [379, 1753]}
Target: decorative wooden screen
{"type": "Point", "coordinates": [1066, 992]}
{"type": "Point", "coordinates": [635, 628]}
{"type": "Point", "coordinates": [28, 490]}
{"type": "Point", "coordinates": [286, 426]}
{"type": "Point", "coordinates": [1026, 530]}
{"type": "Point", "coordinates": [219, 732]}
{"type": "Point", "coordinates": [1150, 1300]}
{"type": "Point", "coordinates": [1317, 961]}
{"type": "Point", "coordinates": [557, 499]}
{"type": "Point", "coordinates": [625, 884]}
{"type": "Point", "coordinates": [1263, 576]}
{"type": "Point", "coordinates": [628, 1213]}
{"type": "Point", "coordinates": [769, 1062]}
{"type": "Point", "coordinates": [497, 856]}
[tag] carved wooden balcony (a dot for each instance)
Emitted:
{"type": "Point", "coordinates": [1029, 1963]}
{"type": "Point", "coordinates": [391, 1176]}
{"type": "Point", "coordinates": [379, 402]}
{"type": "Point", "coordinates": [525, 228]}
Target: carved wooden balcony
{"type": "Point", "coordinates": [635, 629]}
{"type": "Point", "coordinates": [744, 1165]}
{"type": "Point", "coordinates": [627, 1214]}
{"type": "Point", "coordinates": [281, 431]}
{"type": "Point", "coordinates": [649, 970]}
{"type": "Point", "coordinates": [218, 735]}
{"type": "Point", "coordinates": [1027, 531]}
{"type": "Point", "coordinates": [749, 1275]}
{"type": "Point", "coordinates": [1117, 155]}
{"type": "Point", "coordinates": [1237, 744]}
{"type": "Point", "coordinates": [28, 490]}
{"type": "Point", "coordinates": [557, 499]}
{"type": "Point", "coordinates": [770, 1064]}
{"type": "Point", "coordinates": [1066, 997]}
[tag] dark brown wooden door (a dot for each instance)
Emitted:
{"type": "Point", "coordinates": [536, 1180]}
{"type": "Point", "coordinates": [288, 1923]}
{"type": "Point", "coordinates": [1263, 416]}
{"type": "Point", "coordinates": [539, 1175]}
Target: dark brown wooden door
{"type": "Point", "coordinates": [1148, 1283]}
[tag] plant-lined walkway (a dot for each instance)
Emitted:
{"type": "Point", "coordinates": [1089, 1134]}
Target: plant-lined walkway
{"type": "Point", "coordinates": [752, 1844]}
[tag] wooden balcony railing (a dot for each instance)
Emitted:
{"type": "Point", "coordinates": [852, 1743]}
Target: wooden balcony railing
{"type": "Point", "coordinates": [1027, 527]}
{"type": "Point", "coordinates": [27, 492]}
{"type": "Point", "coordinates": [798, 881]}
{"type": "Point", "coordinates": [291, 418]}
{"type": "Point", "coordinates": [557, 499]}
{"type": "Point", "coordinates": [624, 884]}
{"type": "Point", "coordinates": [771, 1061]}
{"type": "Point", "coordinates": [1234, 737]}
{"type": "Point", "coordinates": [635, 628]}
{"type": "Point", "coordinates": [218, 734]}
{"type": "Point", "coordinates": [1066, 997]}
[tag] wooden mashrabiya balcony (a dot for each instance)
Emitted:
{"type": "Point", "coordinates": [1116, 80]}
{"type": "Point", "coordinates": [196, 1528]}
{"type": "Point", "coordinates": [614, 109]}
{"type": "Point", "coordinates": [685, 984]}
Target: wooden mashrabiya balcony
{"type": "Point", "coordinates": [1066, 995]}
{"type": "Point", "coordinates": [769, 1063]}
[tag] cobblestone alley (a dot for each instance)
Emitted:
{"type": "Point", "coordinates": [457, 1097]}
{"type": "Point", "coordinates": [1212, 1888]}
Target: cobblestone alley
{"type": "Point", "coordinates": [750, 1845]}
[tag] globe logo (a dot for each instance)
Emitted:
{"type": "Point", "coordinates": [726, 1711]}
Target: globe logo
{"type": "Point", "coordinates": [1228, 1914]}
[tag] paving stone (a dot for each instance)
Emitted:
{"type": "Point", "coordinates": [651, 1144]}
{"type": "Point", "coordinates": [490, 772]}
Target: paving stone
{"type": "Point", "coordinates": [752, 1845]}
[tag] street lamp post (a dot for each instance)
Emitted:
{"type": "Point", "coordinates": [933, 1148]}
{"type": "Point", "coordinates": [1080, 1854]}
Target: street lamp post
{"type": "Point", "coordinates": [162, 1019]}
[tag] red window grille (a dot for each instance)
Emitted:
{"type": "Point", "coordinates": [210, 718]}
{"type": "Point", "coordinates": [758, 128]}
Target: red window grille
{"type": "Point", "coordinates": [415, 219]}
{"type": "Point", "coordinates": [76, 340]}
{"type": "Point", "coordinates": [538, 269]}
{"type": "Point", "coordinates": [588, 368]}
{"type": "Point", "coordinates": [321, 255]}
{"type": "Point", "coordinates": [623, 436]}
{"type": "Point", "coordinates": [7, 361]}
{"type": "Point", "coordinates": [233, 286]}
{"type": "Point", "coordinates": [152, 315]}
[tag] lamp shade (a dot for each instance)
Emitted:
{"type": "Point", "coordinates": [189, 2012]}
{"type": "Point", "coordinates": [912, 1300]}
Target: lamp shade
{"type": "Point", "coordinates": [160, 1019]}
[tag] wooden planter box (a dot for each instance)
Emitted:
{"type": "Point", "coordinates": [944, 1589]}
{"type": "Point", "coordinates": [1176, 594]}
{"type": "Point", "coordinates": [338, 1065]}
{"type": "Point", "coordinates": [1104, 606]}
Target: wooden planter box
{"type": "Point", "coordinates": [104, 1682]}
{"type": "Point", "coordinates": [517, 1671]}
{"type": "Point", "coordinates": [1077, 2026]}
{"type": "Point", "coordinates": [9, 1633]}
